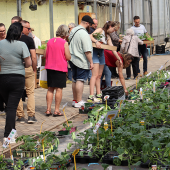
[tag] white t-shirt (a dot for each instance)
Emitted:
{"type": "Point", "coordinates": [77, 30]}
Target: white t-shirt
{"type": "Point", "coordinates": [139, 30]}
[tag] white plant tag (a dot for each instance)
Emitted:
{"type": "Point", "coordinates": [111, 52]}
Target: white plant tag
{"type": "Point", "coordinates": [154, 87]}
{"type": "Point", "coordinates": [109, 168]}
{"type": "Point", "coordinates": [64, 106]}
{"type": "Point", "coordinates": [91, 124]}
{"type": "Point", "coordinates": [148, 74]}
{"type": "Point", "coordinates": [8, 140]}
{"type": "Point", "coordinates": [106, 97]}
{"type": "Point", "coordinates": [89, 147]}
{"type": "Point", "coordinates": [141, 94]}
{"type": "Point", "coordinates": [98, 124]}
{"type": "Point", "coordinates": [100, 109]}
{"type": "Point", "coordinates": [161, 68]}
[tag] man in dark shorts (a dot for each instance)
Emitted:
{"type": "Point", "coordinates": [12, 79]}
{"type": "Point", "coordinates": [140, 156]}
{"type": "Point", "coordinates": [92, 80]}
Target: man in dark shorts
{"type": "Point", "coordinates": [29, 78]}
{"type": "Point", "coordinates": [81, 58]}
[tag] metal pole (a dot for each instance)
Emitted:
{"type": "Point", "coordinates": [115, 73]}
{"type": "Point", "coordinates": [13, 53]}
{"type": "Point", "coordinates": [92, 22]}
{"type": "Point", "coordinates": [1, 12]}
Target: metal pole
{"type": "Point", "coordinates": [158, 23]}
{"type": "Point", "coordinates": [122, 20]}
{"type": "Point", "coordinates": [51, 18]}
{"type": "Point", "coordinates": [110, 9]}
{"type": "Point", "coordinates": [76, 11]}
{"type": "Point", "coordinates": [95, 8]}
{"type": "Point", "coordinates": [19, 8]}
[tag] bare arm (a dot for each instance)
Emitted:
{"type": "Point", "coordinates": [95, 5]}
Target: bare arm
{"type": "Point", "coordinates": [121, 78]}
{"type": "Point", "coordinates": [109, 42]}
{"type": "Point", "coordinates": [28, 62]}
{"type": "Point", "coordinates": [99, 30]}
{"type": "Point", "coordinates": [67, 51]}
{"type": "Point", "coordinates": [89, 58]}
{"type": "Point", "coordinates": [34, 59]}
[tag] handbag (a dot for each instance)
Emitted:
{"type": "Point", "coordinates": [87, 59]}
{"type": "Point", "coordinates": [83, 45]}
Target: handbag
{"type": "Point", "coordinates": [129, 44]}
{"type": "Point", "coordinates": [43, 77]}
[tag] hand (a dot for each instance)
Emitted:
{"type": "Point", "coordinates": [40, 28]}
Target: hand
{"type": "Point", "coordinates": [98, 45]}
{"type": "Point", "coordinates": [91, 66]}
{"type": "Point", "coordinates": [126, 93]}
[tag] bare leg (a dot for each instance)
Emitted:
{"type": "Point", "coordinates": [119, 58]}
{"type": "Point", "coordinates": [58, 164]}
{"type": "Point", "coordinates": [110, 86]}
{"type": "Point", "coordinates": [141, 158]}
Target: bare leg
{"type": "Point", "coordinates": [95, 72]}
{"type": "Point", "coordinates": [98, 81]}
{"type": "Point", "coordinates": [49, 97]}
{"type": "Point", "coordinates": [79, 90]}
{"type": "Point", "coordinates": [74, 91]}
{"type": "Point", "coordinates": [58, 98]}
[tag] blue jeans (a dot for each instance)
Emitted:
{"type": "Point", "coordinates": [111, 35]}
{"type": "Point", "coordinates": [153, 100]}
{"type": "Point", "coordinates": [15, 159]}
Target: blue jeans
{"type": "Point", "coordinates": [107, 73]}
{"type": "Point", "coordinates": [70, 74]}
{"type": "Point", "coordinates": [90, 74]}
{"type": "Point", "coordinates": [143, 50]}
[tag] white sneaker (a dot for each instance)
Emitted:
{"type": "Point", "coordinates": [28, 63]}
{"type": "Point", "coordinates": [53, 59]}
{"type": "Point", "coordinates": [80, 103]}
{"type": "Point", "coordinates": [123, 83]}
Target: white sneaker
{"type": "Point", "coordinates": [79, 104]}
{"type": "Point", "coordinates": [73, 103]}
{"type": "Point", "coordinates": [2, 113]}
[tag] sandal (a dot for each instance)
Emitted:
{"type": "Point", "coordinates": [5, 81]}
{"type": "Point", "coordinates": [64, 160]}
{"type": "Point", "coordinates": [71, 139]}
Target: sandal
{"type": "Point", "coordinates": [57, 114]}
{"type": "Point", "coordinates": [48, 113]}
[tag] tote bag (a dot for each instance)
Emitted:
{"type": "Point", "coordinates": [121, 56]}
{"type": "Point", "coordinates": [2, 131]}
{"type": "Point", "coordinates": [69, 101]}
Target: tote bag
{"type": "Point", "coordinates": [43, 77]}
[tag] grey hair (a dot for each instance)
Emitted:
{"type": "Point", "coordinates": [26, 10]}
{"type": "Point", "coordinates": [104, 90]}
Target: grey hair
{"type": "Point", "coordinates": [130, 31]}
{"type": "Point", "coordinates": [62, 31]}
{"type": "Point", "coordinates": [72, 25]}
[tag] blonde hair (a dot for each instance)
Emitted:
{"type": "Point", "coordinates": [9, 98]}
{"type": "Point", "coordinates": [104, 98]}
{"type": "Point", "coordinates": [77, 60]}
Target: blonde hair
{"type": "Point", "coordinates": [62, 31]}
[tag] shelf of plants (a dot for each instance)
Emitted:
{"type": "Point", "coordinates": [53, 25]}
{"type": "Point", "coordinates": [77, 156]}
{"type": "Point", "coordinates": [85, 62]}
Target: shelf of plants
{"type": "Point", "coordinates": [139, 135]}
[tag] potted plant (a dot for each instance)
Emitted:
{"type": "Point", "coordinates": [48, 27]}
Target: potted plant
{"type": "Point", "coordinates": [67, 129]}
{"type": "Point", "coordinates": [98, 37]}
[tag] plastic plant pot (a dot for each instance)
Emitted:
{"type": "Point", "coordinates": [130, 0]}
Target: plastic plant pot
{"type": "Point", "coordinates": [63, 132]}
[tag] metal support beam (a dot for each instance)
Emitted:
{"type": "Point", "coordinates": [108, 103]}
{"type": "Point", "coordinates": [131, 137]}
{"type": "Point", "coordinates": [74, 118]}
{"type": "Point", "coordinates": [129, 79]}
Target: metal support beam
{"type": "Point", "coordinates": [19, 8]}
{"type": "Point", "coordinates": [95, 8]}
{"type": "Point", "coordinates": [110, 10]}
{"type": "Point", "coordinates": [122, 19]}
{"type": "Point", "coordinates": [51, 18]}
{"type": "Point", "coordinates": [76, 11]}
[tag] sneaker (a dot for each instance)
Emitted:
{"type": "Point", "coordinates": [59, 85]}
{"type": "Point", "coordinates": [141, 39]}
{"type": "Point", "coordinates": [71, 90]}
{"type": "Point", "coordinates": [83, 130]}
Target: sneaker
{"type": "Point", "coordinates": [90, 99]}
{"type": "Point", "coordinates": [145, 73]}
{"type": "Point", "coordinates": [2, 113]}
{"type": "Point", "coordinates": [32, 119]}
{"type": "Point", "coordinates": [73, 103]}
{"type": "Point", "coordinates": [68, 82]}
{"type": "Point", "coordinates": [128, 78]}
{"type": "Point", "coordinates": [79, 104]}
{"type": "Point", "coordinates": [21, 120]}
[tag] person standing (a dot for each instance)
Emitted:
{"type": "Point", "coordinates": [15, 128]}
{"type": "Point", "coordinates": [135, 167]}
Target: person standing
{"type": "Point", "coordinates": [130, 46]}
{"type": "Point", "coordinates": [81, 58]}
{"type": "Point", "coordinates": [92, 29]}
{"type": "Point", "coordinates": [116, 42]}
{"type": "Point", "coordinates": [140, 29]}
{"type": "Point", "coordinates": [12, 80]}
{"type": "Point", "coordinates": [29, 78]}
{"type": "Point", "coordinates": [2, 37]}
{"type": "Point", "coordinates": [57, 54]}
{"type": "Point", "coordinates": [70, 27]}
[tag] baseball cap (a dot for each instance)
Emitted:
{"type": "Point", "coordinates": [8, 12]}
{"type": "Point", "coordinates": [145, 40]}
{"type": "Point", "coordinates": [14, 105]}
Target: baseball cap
{"type": "Point", "coordinates": [87, 18]}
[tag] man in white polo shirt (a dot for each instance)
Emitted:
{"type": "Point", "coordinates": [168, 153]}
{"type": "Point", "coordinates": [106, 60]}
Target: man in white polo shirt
{"type": "Point", "coordinates": [139, 30]}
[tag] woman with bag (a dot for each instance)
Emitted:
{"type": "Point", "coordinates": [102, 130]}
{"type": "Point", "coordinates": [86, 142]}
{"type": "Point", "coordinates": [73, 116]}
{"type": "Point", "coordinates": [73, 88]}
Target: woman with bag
{"type": "Point", "coordinates": [12, 73]}
{"type": "Point", "coordinates": [130, 45]}
{"type": "Point", "coordinates": [57, 54]}
{"type": "Point", "coordinates": [99, 59]}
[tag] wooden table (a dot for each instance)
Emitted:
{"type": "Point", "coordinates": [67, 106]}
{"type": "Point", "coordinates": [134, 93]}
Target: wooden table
{"type": "Point", "coordinates": [150, 43]}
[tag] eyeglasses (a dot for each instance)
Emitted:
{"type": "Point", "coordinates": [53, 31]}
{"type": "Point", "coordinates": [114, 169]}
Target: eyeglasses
{"type": "Point", "coordinates": [28, 28]}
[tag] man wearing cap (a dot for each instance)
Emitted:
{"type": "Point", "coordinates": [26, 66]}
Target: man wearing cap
{"type": "Point", "coordinates": [81, 58]}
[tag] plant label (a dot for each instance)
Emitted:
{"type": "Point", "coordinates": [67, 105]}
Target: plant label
{"type": "Point", "coordinates": [161, 68]}
{"type": "Point", "coordinates": [105, 126]}
{"type": "Point", "coordinates": [109, 168]}
{"type": "Point", "coordinates": [154, 87]}
{"type": "Point", "coordinates": [89, 147]}
{"type": "Point", "coordinates": [75, 152]}
{"type": "Point", "coordinates": [98, 124]}
{"type": "Point", "coordinates": [117, 82]}
{"type": "Point", "coordinates": [141, 94]}
{"type": "Point", "coordinates": [64, 106]}
{"type": "Point", "coordinates": [106, 97]}
{"type": "Point", "coordinates": [148, 74]}
{"type": "Point", "coordinates": [8, 140]}
{"type": "Point", "coordinates": [100, 109]}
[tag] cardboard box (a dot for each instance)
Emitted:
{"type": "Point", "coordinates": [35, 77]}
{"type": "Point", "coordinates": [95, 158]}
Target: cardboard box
{"type": "Point", "coordinates": [40, 51]}
{"type": "Point", "coordinates": [106, 47]}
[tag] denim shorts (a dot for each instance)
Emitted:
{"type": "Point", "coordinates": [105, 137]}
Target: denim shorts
{"type": "Point", "coordinates": [79, 74]}
{"type": "Point", "coordinates": [98, 56]}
